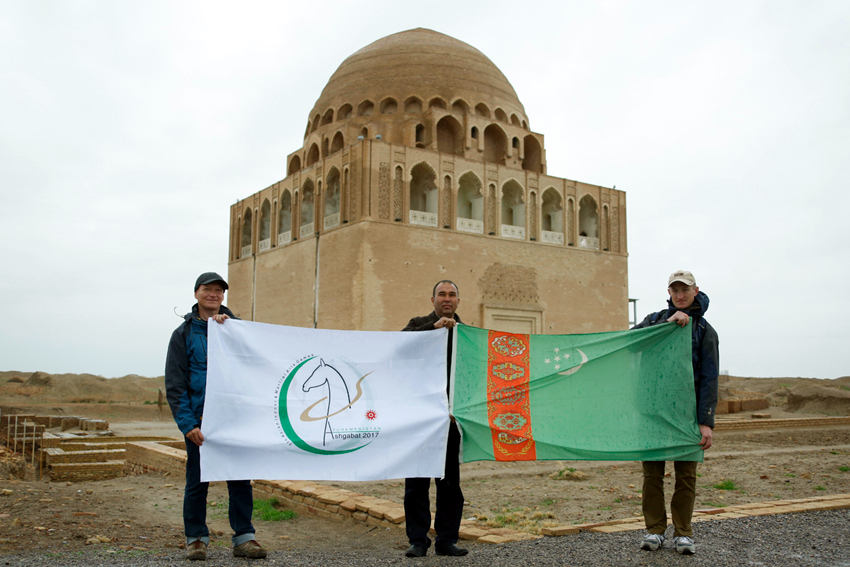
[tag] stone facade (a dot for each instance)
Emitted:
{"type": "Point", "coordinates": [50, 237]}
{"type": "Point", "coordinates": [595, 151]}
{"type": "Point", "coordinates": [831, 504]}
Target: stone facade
{"type": "Point", "coordinates": [418, 164]}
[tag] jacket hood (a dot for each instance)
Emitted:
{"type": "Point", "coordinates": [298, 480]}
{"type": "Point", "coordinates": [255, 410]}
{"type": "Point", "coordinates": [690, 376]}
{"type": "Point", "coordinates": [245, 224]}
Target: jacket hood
{"type": "Point", "coordinates": [697, 308]}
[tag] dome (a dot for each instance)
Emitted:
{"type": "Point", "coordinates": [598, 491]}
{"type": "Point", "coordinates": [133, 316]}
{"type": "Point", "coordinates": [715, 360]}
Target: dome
{"type": "Point", "coordinates": [421, 64]}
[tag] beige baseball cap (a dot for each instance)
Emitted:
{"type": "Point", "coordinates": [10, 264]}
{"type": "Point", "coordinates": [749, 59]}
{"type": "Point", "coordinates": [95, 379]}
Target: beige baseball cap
{"type": "Point", "coordinates": [683, 276]}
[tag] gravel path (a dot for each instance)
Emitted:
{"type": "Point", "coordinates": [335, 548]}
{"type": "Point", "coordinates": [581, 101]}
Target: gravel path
{"type": "Point", "coordinates": [816, 539]}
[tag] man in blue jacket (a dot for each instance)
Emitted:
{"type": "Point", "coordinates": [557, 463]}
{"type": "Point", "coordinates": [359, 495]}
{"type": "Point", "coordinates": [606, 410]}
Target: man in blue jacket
{"type": "Point", "coordinates": [185, 386]}
{"type": "Point", "coordinates": [686, 303]}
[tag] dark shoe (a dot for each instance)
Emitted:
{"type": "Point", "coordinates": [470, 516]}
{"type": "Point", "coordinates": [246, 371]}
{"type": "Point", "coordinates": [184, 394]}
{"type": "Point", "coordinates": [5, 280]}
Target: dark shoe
{"type": "Point", "coordinates": [250, 549]}
{"type": "Point", "coordinates": [416, 551]}
{"type": "Point", "coordinates": [451, 550]}
{"type": "Point", "coordinates": [196, 551]}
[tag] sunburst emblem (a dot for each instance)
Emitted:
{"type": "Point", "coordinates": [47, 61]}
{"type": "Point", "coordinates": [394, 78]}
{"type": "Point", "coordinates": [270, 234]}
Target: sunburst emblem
{"type": "Point", "coordinates": [371, 415]}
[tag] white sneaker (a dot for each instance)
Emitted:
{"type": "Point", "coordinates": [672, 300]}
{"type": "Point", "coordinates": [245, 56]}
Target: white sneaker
{"type": "Point", "coordinates": [651, 542]}
{"type": "Point", "coordinates": [684, 545]}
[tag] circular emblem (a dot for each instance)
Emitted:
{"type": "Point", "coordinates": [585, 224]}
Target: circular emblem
{"type": "Point", "coordinates": [324, 407]}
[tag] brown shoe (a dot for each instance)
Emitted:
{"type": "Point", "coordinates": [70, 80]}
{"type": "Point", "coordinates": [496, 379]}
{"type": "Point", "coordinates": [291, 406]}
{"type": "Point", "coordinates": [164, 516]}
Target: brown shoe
{"type": "Point", "coordinates": [196, 551]}
{"type": "Point", "coordinates": [250, 549]}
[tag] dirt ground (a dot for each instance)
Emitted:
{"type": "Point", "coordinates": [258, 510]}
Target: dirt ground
{"type": "Point", "coordinates": [142, 514]}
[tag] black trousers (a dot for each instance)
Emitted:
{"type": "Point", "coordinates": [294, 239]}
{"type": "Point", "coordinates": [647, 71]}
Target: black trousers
{"type": "Point", "coordinates": [417, 507]}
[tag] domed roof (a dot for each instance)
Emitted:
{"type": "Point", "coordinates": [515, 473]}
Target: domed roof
{"type": "Point", "coordinates": [421, 63]}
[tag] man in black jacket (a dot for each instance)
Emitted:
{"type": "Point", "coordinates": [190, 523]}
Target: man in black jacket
{"type": "Point", "coordinates": [185, 387]}
{"type": "Point", "coordinates": [417, 508]}
{"type": "Point", "coordinates": [686, 303]}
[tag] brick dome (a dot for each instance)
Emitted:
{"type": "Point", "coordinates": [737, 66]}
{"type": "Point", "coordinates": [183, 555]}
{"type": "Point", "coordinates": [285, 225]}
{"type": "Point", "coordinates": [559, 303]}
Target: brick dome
{"type": "Point", "coordinates": [409, 72]}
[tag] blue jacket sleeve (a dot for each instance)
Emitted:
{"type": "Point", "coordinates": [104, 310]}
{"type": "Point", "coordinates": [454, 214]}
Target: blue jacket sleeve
{"type": "Point", "coordinates": [177, 382]}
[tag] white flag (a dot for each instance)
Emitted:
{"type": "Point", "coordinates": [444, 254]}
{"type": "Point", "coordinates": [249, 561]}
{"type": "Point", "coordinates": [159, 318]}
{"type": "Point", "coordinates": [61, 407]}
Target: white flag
{"type": "Point", "coordinates": [289, 403]}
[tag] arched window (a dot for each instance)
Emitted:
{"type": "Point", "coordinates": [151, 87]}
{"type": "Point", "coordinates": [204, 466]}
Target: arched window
{"type": "Point", "coordinates": [588, 223]}
{"type": "Point", "coordinates": [413, 105]}
{"type": "Point", "coordinates": [337, 143]}
{"type": "Point", "coordinates": [265, 242]}
{"type": "Point", "coordinates": [307, 209]}
{"type": "Point", "coordinates": [332, 195]}
{"type": "Point", "coordinates": [532, 160]}
{"type": "Point", "coordinates": [328, 117]}
{"type": "Point", "coordinates": [449, 136]}
{"type": "Point", "coordinates": [365, 108]}
{"type": "Point", "coordinates": [474, 132]}
{"type": "Point", "coordinates": [470, 204]}
{"type": "Point", "coordinates": [513, 210]}
{"type": "Point", "coordinates": [423, 195]}
{"type": "Point", "coordinates": [315, 123]}
{"type": "Point", "coordinates": [343, 112]}
{"type": "Point", "coordinates": [515, 120]}
{"type": "Point", "coordinates": [247, 239]}
{"type": "Point", "coordinates": [495, 144]}
{"type": "Point", "coordinates": [552, 217]}
{"type": "Point", "coordinates": [313, 155]}
{"type": "Point", "coordinates": [482, 110]}
{"type": "Point", "coordinates": [284, 219]}
{"type": "Point", "coordinates": [420, 136]}
{"type": "Point", "coordinates": [500, 115]}
{"type": "Point", "coordinates": [294, 165]}
{"type": "Point", "coordinates": [437, 102]}
{"type": "Point", "coordinates": [389, 106]}
{"type": "Point", "coordinates": [460, 106]}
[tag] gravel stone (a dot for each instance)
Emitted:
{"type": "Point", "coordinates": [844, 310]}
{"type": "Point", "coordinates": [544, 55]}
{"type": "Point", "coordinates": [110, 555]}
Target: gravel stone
{"type": "Point", "coordinates": [805, 539]}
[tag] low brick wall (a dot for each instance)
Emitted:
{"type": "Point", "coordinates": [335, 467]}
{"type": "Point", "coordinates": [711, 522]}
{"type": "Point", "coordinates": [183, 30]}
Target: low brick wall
{"type": "Point", "coordinates": [727, 424]}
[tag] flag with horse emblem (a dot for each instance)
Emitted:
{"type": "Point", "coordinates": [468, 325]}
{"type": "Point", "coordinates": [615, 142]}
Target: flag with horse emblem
{"type": "Point", "coordinates": [626, 395]}
{"type": "Point", "coordinates": [313, 404]}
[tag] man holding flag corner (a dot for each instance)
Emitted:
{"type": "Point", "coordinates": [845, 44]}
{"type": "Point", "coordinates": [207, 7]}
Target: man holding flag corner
{"type": "Point", "coordinates": [686, 303]}
{"type": "Point", "coordinates": [417, 508]}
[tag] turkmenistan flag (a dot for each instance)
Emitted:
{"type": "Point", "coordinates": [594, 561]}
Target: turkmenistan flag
{"type": "Point", "coordinates": [626, 395]}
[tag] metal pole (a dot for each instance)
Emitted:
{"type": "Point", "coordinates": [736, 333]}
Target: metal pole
{"type": "Point", "coordinates": [15, 449]}
{"type": "Point", "coordinates": [24, 444]}
{"type": "Point", "coordinates": [40, 456]}
{"type": "Point", "coordinates": [34, 432]}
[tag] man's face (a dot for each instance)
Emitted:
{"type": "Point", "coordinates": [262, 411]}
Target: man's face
{"type": "Point", "coordinates": [445, 300]}
{"type": "Point", "coordinates": [210, 296]}
{"type": "Point", "coordinates": [682, 295]}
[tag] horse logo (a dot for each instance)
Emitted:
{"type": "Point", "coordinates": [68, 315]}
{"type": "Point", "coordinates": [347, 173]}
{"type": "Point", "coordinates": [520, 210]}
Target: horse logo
{"type": "Point", "coordinates": [338, 395]}
{"type": "Point", "coordinates": [326, 397]}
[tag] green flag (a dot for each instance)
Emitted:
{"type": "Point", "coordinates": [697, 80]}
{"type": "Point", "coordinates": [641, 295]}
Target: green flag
{"type": "Point", "coordinates": [625, 395]}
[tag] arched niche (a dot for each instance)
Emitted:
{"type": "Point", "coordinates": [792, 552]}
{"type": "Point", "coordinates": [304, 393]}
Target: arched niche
{"type": "Point", "coordinates": [449, 136]}
{"type": "Point", "coordinates": [495, 144]}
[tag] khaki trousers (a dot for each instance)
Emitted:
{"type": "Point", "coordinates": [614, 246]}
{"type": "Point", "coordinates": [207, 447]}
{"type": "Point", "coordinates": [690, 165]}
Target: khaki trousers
{"type": "Point", "coordinates": [682, 504]}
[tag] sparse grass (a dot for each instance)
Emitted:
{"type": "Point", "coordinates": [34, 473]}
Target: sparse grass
{"type": "Point", "coordinates": [844, 468]}
{"type": "Point", "coordinates": [525, 519]}
{"type": "Point", "coordinates": [713, 504]}
{"type": "Point", "coordinates": [725, 485]}
{"type": "Point", "coordinates": [819, 487]}
{"type": "Point", "coordinates": [547, 502]}
{"type": "Point", "coordinates": [272, 510]}
{"type": "Point", "coordinates": [790, 475]}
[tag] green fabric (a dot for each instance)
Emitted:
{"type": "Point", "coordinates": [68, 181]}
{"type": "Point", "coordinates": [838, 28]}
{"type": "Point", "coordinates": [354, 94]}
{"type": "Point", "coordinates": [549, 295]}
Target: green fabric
{"type": "Point", "coordinates": [632, 400]}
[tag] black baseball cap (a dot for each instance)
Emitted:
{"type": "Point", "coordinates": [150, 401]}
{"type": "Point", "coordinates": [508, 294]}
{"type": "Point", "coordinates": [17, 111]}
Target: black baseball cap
{"type": "Point", "coordinates": [208, 278]}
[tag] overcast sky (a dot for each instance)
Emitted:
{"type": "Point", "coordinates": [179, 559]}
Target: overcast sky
{"type": "Point", "coordinates": [128, 130]}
